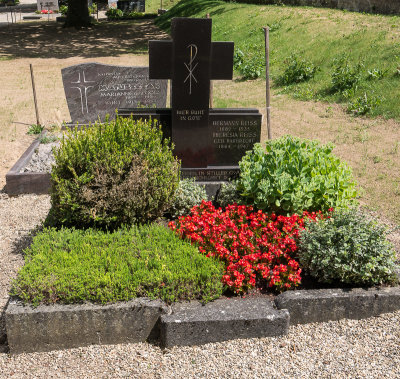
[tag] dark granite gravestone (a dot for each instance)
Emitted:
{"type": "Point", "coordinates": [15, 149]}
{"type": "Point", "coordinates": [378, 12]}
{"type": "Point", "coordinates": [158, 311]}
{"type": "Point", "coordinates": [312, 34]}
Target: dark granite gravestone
{"type": "Point", "coordinates": [210, 142]}
{"type": "Point", "coordinates": [94, 90]}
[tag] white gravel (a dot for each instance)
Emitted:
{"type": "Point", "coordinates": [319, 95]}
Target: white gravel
{"type": "Point", "coordinates": [363, 349]}
{"type": "Point", "coordinates": [42, 158]}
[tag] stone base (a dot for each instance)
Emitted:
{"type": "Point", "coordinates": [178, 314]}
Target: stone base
{"type": "Point", "coordinates": [59, 326]}
{"type": "Point", "coordinates": [211, 188]}
{"type": "Point", "coordinates": [323, 305]}
{"type": "Point", "coordinates": [222, 320]}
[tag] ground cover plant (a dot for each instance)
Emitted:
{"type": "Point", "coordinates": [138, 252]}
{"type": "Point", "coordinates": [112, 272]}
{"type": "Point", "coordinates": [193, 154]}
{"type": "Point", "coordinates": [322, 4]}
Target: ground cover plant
{"type": "Point", "coordinates": [317, 37]}
{"type": "Point", "coordinates": [114, 173]}
{"type": "Point", "coordinates": [73, 266]}
{"type": "Point", "coordinates": [257, 249]}
{"type": "Point", "coordinates": [347, 248]}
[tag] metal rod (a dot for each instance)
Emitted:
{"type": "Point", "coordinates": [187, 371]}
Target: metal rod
{"type": "Point", "coordinates": [34, 95]}
{"type": "Point", "coordinates": [211, 82]}
{"type": "Point", "coordinates": [267, 88]}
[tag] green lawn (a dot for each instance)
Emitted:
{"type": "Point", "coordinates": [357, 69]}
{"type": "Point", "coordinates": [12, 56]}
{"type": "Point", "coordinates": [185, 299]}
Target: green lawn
{"type": "Point", "coordinates": [319, 35]}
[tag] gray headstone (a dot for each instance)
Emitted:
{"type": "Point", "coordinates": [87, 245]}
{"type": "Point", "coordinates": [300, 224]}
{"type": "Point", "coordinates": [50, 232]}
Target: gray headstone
{"type": "Point", "coordinates": [94, 90]}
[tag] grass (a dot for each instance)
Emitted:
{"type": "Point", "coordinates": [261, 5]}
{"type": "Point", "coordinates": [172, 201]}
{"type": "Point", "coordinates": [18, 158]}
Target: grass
{"type": "Point", "coordinates": [74, 266]}
{"type": "Point", "coordinates": [321, 36]}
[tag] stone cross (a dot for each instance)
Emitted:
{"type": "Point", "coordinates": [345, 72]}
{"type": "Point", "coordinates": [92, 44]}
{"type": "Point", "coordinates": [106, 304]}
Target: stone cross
{"type": "Point", "coordinates": [191, 61]}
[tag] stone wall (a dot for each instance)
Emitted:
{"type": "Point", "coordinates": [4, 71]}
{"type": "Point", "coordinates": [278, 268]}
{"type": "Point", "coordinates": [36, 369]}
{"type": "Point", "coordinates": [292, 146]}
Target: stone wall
{"type": "Point", "coordinates": [370, 6]}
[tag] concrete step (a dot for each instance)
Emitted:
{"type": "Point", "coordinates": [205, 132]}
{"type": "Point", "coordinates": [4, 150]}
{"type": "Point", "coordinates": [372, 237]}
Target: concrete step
{"type": "Point", "coordinates": [222, 320]}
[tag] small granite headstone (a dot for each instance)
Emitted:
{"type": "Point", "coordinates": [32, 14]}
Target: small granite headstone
{"type": "Point", "coordinates": [131, 6]}
{"type": "Point", "coordinates": [94, 90]}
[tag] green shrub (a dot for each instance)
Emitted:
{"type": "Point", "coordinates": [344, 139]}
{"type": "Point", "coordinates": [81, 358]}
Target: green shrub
{"type": "Point", "coordinates": [186, 197]}
{"type": "Point", "coordinates": [348, 248]}
{"type": "Point", "coordinates": [250, 66]}
{"type": "Point", "coordinates": [228, 194]}
{"type": "Point", "coordinates": [63, 10]}
{"type": "Point", "coordinates": [363, 104]}
{"type": "Point", "coordinates": [345, 77]}
{"type": "Point", "coordinates": [292, 175]}
{"type": "Point", "coordinates": [114, 13]}
{"type": "Point", "coordinates": [297, 70]}
{"type": "Point", "coordinates": [375, 74]}
{"type": "Point", "coordinates": [74, 266]}
{"type": "Point", "coordinates": [35, 129]}
{"type": "Point", "coordinates": [118, 172]}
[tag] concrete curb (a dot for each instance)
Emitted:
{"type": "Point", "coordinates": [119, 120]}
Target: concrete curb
{"type": "Point", "coordinates": [222, 320]}
{"type": "Point", "coordinates": [59, 326]}
{"type": "Point", "coordinates": [306, 306]}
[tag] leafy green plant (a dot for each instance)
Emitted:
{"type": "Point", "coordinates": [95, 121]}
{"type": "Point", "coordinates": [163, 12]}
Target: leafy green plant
{"type": "Point", "coordinates": [114, 173]}
{"type": "Point", "coordinates": [49, 138]}
{"type": "Point", "coordinates": [187, 195]}
{"type": "Point", "coordinates": [347, 247]}
{"type": "Point", "coordinates": [375, 74]}
{"type": "Point", "coordinates": [363, 104]}
{"type": "Point", "coordinates": [93, 9]}
{"type": "Point", "coordinates": [114, 13]}
{"type": "Point", "coordinates": [297, 70]}
{"type": "Point", "coordinates": [345, 76]}
{"type": "Point", "coordinates": [292, 175]}
{"type": "Point", "coordinates": [63, 10]}
{"type": "Point", "coordinates": [250, 66]}
{"type": "Point", "coordinates": [74, 266]}
{"type": "Point", "coordinates": [35, 129]}
{"type": "Point", "coordinates": [228, 194]}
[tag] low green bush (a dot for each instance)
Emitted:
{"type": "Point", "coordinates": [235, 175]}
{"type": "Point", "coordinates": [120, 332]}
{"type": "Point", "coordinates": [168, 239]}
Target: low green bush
{"type": "Point", "coordinates": [74, 266]}
{"type": "Point", "coordinates": [297, 70]}
{"type": "Point", "coordinates": [110, 174]}
{"type": "Point", "coordinates": [345, 77]}
{"type": "Point", "coordinates": [228, 194]}
{"type": "Point", "coordinates": [186, 197]}
{"type": "Point", "coordinates": [292, 175]}
{"type": "Point", "coordinates": [363, 104]}
{"type": "Point", "coordinates": [347, 248]}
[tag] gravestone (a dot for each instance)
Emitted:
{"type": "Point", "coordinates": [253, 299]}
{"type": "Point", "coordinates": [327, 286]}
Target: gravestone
{"type": "Point", "coordinates": [49, 5]}
{"type": "Point", "coordinates": [94, 90]}
{"type": "Point", "coordinates": [209, 142]}
{"type": "Point", "coordinates": [132, 6]}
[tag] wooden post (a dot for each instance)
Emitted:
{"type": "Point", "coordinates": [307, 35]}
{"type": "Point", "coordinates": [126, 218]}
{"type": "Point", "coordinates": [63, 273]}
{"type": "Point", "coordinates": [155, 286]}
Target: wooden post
{"type": "Point", "coordinates": [267, 89]}
{"type": "Point", "coordinates": [34, 95]}
{"type": "Point", "coordinates": [211, 83]}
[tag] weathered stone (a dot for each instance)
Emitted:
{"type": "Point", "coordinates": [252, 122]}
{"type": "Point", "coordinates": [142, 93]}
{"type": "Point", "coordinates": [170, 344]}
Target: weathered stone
{"type": "Point", "coordinates": [322, 305]}
{"type": "Point", "coordinates": [65, 326]}
{"type": "Point", "coordinates": [94, 90]}
{"type": "Point", "coordinates": [222, 320]}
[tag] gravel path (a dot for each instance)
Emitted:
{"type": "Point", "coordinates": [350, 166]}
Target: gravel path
{"type": "Point", "coordinates": [364, 349]}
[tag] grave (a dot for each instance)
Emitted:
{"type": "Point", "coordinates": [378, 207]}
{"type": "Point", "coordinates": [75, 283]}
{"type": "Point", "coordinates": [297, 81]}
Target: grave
{"type": "Point", "coordinates": [209, 142]}
{"type": "Point", "coordinates": [47, 5]}
{"type": "Point", "coordinates": [94, 90]}
{"type": "Point", "coordinates": [131, 6]}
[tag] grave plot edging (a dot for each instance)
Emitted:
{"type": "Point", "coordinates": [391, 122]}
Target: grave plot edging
{"type": "Point", "coordinates": [307, 306]}
{"type": "Point", "coordinates": [54, 327]}
{"type": "Point", "coordinates": [18, 182]}
{"type": "Point", "coordinates": [60, 326]}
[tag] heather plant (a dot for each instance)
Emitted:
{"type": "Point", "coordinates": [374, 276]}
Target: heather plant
{"type": "Point", "coordinates": [347, 248]}
{"type": "Point", "coordinates": [292, 175]}
{"type": "Point", "coordinates": [228, 194]}
{"type": "Point", "coordinates": [74, 266]}
{"type": "Point", "coordinates": [114, 173]}
{"type": "Point", "coordinates": [188, 194]}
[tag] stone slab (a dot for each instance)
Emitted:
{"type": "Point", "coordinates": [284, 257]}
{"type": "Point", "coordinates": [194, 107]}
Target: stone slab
{"type": "Point", "coordinates": [222, 320]}
{"type": "Point", "coordinates": [58, 326]}
{"type": "Point", "coordinates": [306, 306]}
{"type": "Point", "coordinates": [95, 90]}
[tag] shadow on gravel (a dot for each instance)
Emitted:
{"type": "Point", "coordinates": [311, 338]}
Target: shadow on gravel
{"type": "Point", "coordinates": [51, 40]}
{"type": "Point", "coordinates": [20, 244]}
